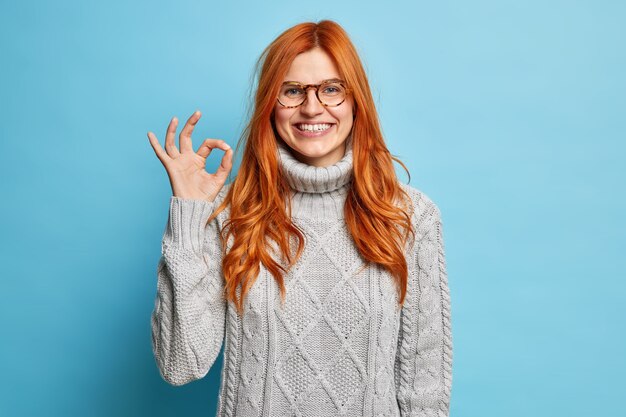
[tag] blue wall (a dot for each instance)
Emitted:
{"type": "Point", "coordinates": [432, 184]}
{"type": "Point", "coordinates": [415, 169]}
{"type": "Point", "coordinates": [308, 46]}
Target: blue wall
{"type": "Point", "coordinates": [509, 114]}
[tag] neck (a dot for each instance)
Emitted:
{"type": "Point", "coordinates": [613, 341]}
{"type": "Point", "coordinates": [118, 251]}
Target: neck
{"type": "Point", "coordinates": [317, 192]}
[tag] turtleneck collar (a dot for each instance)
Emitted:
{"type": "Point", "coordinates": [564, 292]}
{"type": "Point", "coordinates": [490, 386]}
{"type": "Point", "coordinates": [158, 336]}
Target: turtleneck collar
{"type": "Point", "coordinates": [311, 179]}
{"type": "Point", "coordinates": [318, 192]}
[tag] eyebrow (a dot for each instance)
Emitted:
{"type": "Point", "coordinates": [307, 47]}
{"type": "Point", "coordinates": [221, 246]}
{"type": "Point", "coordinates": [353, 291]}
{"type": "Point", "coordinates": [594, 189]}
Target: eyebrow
{"type": "Point", "coordinates": [339, 80]}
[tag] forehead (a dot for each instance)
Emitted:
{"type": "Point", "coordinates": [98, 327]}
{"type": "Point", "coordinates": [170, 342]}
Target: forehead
{"type": "Point", "coordinates": [312, 67]}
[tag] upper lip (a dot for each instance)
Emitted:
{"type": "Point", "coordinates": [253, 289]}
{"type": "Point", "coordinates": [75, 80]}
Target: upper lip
{"type": "Point", "coordinates": [313, 123]}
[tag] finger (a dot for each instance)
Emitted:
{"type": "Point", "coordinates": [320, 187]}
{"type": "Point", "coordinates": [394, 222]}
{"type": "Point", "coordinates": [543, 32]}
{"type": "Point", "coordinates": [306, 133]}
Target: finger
{"type": "Point", "coordinates": [158, 150]}
{"type": "Point", "coordinates": [226, 165]}
{"type": "Point", "coordinates": [209, 144]}
{"type": "Point", "coordinates": [170, 138]}
{"type": "Point", "coordinates": [185, 134]}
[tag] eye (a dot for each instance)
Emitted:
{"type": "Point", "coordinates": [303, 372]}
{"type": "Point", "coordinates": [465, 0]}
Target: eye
{"type": "Point", "coordinates": [332, 89]}
{"type": "Point", "coordinates": [292, 91]}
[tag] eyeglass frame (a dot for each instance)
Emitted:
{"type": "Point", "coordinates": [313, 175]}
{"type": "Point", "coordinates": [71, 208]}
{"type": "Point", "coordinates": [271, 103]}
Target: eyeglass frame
{"type": "Point", "coordinates": [306, 87]}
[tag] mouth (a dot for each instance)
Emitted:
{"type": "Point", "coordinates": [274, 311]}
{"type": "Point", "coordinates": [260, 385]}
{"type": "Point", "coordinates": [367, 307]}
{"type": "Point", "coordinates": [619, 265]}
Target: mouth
{"type": "Point", "coordinates": [313, 128]}
{"type": "Point", "coordinates": [313, 131]}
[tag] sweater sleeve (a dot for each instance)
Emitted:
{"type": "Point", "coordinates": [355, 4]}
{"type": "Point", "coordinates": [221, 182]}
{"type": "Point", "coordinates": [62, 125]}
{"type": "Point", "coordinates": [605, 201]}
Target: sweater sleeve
{"type": "Point", "coordinates": [424, 355]}
{"type": "Point", "coordinates": [189, 310]}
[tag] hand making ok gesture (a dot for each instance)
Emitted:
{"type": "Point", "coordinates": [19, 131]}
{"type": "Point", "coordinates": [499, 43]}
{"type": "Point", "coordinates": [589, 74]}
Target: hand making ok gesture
{"type": "Point", "coordinates": [186, 169]}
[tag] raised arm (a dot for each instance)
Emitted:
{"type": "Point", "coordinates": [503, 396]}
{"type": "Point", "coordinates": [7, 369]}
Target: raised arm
{"type": "Point", "coordinates": [424, 356]}
{"type": "Point", "coordinates": [189, 313]}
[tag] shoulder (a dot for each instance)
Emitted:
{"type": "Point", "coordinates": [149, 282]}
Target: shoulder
{"type": "Point", "coordinates": [422, 206]}
{"type": "Point", "coordinates": [425, 215]}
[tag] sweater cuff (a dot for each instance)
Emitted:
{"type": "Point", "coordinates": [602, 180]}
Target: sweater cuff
{"type": "Point", "coordinates": [186, 223]}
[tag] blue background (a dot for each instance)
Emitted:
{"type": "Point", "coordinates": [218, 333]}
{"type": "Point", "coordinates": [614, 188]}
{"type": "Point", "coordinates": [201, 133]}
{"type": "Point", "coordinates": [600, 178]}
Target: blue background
{"type": "Point", "coordinates": [509, 114]}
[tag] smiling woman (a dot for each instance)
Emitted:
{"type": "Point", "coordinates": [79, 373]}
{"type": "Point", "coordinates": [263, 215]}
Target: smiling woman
{"type": "Point", "coordinates": [321, 274]}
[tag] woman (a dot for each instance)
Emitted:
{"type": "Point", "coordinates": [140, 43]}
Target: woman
{"type": "Point", "coordinates": [322, 274]}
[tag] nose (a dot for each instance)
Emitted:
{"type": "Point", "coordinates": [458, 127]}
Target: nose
{"type": "Point", "coordinates": [311, 105]}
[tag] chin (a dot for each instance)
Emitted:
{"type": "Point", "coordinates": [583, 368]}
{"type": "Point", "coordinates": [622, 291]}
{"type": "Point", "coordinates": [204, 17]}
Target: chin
{"type": "Point", "coordinates": [314, 150]}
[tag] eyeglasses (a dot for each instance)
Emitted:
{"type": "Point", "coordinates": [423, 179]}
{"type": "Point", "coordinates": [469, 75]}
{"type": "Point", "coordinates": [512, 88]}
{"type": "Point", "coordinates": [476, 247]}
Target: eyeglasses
{"type": "Point", "coordinates": [330, 93]}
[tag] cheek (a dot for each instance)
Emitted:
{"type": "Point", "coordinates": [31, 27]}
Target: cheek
{"type": "Point", "coordinates": [281, 119]}
{"type": "Point", "coordinates": [346, 118]}
{"type": "Point", "coordinates": [347, 114]}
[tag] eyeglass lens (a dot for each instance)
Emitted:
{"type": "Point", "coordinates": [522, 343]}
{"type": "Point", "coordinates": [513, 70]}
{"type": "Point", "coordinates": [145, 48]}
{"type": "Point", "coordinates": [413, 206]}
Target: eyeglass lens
{"type": "Point", "coordinates": [331, 94]}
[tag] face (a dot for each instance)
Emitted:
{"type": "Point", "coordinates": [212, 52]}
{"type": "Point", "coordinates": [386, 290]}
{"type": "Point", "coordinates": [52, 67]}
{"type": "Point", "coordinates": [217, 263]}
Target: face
{"type": "Point", "coordinates": [327, 148]}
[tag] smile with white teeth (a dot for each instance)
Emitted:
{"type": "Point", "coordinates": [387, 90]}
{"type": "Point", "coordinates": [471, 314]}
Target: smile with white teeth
{"type": "Point", "coordinates": [312, 128]}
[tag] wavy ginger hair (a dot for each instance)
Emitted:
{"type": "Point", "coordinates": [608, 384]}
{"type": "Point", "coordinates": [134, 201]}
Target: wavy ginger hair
{"type": "Point", "coordinates": [257, 196]}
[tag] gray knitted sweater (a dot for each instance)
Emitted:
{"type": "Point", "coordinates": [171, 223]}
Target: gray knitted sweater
{"type": "Point", "coordinates": [341, 346]}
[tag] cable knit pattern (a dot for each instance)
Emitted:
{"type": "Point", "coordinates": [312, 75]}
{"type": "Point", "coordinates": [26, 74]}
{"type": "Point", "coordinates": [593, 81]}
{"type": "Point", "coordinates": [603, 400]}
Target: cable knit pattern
{"type": "Point", "coordinates": [341, 345]}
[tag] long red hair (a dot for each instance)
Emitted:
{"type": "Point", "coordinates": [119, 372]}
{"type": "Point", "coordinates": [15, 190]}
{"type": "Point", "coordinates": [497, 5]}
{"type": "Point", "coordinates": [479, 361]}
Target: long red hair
{"type": "Point", "coordinates": [258, 214]}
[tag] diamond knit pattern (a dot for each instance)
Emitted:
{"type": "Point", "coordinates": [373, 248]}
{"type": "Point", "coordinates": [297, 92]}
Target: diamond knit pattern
{"type": "Point", "coordinates": [324, 324]}
{"type": "Point", "coordinates": [340, 345]}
